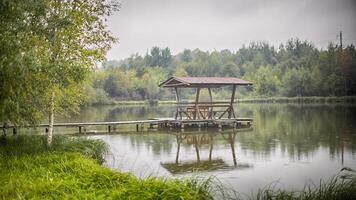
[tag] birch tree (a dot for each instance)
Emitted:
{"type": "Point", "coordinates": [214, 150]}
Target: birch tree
{"type": "Point", "coordinates": [65, 39]}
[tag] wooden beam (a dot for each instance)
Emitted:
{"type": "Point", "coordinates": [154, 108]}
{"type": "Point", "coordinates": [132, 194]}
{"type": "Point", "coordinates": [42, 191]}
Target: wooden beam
{"type": "Point", "coordinates": [232, 145]}
{"type": "Point", "coordinates": [196, 113]}
{"type": "Point", "coordinates": [232, 100]}
{"type": "Point", "coordinates": [177, 99]}
{"type": "Point", "coordinates": [178, 148]}
{"type": "Point", "coordinates": [228, 109]}
{"type": "Point", "coordinates": [211, 148]}
{"type": "Point", "coordinates": [211, 104]}
{"type": "Point", "coordinates": [196, 147]}
{"type": "Point", "coordinates": [205, 102]}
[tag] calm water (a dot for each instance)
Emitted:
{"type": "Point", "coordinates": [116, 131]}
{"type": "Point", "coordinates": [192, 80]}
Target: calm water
{"type": "Point", "coordinates": [290, 145]}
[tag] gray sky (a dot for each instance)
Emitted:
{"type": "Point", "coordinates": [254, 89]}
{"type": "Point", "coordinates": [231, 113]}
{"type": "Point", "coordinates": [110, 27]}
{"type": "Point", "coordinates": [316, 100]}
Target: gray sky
{"type": "Point", "coordinates": [228, 24]}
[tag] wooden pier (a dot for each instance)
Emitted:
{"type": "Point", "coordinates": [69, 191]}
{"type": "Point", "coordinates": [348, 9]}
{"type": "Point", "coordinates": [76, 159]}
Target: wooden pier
{"type": "Point", "coordinates": [155, 123]}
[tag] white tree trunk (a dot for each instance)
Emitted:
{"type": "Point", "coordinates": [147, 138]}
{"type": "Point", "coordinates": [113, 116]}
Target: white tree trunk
{"type": "Point", "coordinates": [51, 120]}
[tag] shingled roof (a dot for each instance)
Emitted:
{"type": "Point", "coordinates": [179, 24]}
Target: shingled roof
{"type": "Point", "coordinates": [203, 82]}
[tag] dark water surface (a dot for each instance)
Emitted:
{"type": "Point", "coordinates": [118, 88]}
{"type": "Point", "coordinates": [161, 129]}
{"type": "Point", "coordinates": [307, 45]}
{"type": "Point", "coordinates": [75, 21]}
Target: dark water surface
{"type": "Point", "coordinates": [289, 146]}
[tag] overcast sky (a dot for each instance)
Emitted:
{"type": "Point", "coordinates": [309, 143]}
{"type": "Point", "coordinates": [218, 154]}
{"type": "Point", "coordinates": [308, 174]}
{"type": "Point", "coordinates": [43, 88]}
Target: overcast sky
{"type": "Point", "coordinates": [228, 24]}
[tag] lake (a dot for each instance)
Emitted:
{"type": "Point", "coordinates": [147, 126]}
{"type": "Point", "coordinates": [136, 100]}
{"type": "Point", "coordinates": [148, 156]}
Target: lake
{"type": "Point", "coordinates": [290, 145]}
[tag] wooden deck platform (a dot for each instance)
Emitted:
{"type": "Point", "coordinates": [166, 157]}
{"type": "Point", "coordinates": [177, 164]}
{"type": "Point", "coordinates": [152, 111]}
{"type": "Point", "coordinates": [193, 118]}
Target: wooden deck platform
{"type": "Point", "coordinates": [155, 123]}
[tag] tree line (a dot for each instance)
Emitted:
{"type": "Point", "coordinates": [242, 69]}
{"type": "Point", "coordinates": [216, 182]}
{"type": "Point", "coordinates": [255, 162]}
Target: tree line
{"type": "Point", "coordinates": [295, 68]}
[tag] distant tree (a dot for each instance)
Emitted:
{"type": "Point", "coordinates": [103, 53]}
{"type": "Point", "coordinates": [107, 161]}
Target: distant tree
{"type": "Point", "coordinates": [180, 72]}
{"type": "Point", "coordinates": [266, 81]}
{"type": "Point", "coordinates": [159, 57]}
{"type": "Point", "coordinates": [111, 64]}
{"type": "Point", "coordinates": [231, 69]}
{"type": "Point", "coordinates": [186, 55]}
{"type": "Point", "coordinates": [153, 59]}
{"type": "Point", "coordinates": [112, 86]}
{"type": "Point", "coordinates": [166, 57]}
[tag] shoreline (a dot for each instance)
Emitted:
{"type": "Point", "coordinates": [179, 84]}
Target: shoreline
{"type": "Point", "coordinates": [302, 100]}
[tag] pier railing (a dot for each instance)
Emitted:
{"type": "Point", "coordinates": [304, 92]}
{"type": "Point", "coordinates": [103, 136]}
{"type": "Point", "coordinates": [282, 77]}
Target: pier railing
{"type": "Point", "coordinates": [204, 110]}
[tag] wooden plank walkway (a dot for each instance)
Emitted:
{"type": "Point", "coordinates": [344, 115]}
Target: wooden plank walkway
{"type": "Point", "coordinates": [159, 122]}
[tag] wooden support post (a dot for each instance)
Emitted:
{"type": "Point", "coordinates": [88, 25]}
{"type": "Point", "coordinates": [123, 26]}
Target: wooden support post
{"type": "Point", "coordinates": [177, 99]}
{"type": "Point", "coordinates": [211, 110]}
{"type": "Point", "coordinates": [231, 110]}
{"type": "Point", "coordinates": [211, 148]}
{"type": "Point", "coordinates": [137, 127]}
{"type": "Point", "coordinates": [196, 113]}
{"type": "Point", "coordinates": [109, 128]}
{"type": "Point", "coordinates": [178, 148]}
{"type": "Point", "coordinates": [80, 129]}
{"type": "Point", "coordinates": [232, 145]}
{"type": "Point", "coordinates": [4, 130]}
{"type": "Point", "coordinates": [196, 148]}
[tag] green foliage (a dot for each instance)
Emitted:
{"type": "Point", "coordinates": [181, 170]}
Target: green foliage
{"type": "Point", "coordinates": [31, 170]}
{"type": "Point", "coordinates": [296, 68]}
{"type": "Point", "coordinates": [48, 50]}
{"type": "Point", "coordinates": [30, 145]}
{"type": "Point", "coordinates": [266, 81]}
{"type": "Point", "coordinates": [186, 55]}
{"type": "Point", "coordinates": [158, 57]}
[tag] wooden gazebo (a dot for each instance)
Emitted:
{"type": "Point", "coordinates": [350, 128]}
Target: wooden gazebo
{"type": "Point", "coordinates": [204, 110]}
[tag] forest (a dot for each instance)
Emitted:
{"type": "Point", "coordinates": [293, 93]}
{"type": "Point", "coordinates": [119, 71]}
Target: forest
{"type": "Point", "coordinates": [295, 69]}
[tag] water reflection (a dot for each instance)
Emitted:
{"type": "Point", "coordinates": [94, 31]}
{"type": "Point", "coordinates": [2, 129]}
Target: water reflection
{"type": "Point", "coordinates": [293, 144]}
{"type": "Point", "coordinates": [198, 140]}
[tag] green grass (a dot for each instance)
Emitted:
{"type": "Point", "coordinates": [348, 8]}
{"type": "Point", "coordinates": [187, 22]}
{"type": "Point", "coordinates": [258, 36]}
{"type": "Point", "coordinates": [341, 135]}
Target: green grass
{"type": "Point", "coordinates": [341, 187]}
{"type": "Point", "coordinates": [70, 169]}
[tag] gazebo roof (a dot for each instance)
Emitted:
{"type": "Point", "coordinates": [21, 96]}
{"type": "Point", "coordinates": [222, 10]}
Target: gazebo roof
{"type": "Point", "coordinates": [202, 82]}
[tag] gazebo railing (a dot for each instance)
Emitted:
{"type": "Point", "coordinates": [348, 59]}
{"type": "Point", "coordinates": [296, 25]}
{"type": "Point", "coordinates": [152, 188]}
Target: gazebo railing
{"type": "Point", "coordinates": [204, 110]}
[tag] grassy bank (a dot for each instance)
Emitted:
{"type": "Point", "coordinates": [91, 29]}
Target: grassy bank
{"type": "Point", "coordinates": [71, 169]}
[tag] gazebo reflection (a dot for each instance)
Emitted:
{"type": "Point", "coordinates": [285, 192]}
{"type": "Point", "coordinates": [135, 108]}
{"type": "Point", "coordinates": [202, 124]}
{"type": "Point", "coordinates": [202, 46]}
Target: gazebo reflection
{"type": "Point", "coordinates": [197, 140]}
